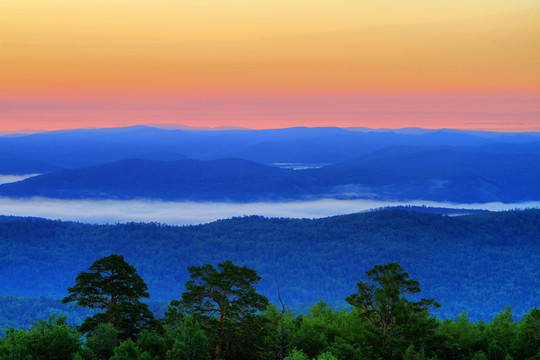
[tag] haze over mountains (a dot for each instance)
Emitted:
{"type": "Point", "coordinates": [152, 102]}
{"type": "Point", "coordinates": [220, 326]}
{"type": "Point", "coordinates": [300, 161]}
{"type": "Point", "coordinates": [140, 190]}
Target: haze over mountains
{"type": "Point", "coordinates": [242, 165]}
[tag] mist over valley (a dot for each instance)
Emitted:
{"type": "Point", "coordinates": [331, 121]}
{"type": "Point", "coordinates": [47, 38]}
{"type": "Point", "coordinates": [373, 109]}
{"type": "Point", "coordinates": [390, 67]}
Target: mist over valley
{"type": "Point", "coordinates": [200, 212]}
{"type": "Point", "coordinates": [270, 180]}
{"type": "Point", "coordinates": [295, 204]}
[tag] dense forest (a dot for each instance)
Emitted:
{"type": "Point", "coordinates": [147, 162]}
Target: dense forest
{"type": "Point", "coordinates": [477, 263]}
{"type": "Point", "coordinates": [221, 316]}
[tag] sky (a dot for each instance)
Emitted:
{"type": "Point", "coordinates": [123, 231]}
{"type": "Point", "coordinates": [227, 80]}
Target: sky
{"type": "Point", "coordinates": [270, 63]}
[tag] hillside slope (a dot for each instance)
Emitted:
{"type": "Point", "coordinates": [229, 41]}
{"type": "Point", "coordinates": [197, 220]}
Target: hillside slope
{"type": "Point", "coordinates": [461, 175]}
{"type": "Point", "coordinates": [225, 180]}
{"type": "Point", "coordinates": [477, 263]}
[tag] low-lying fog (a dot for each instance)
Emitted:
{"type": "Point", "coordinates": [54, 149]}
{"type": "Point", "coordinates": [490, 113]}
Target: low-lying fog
{"type": "Point", "coordinates": [4, 179]}
{"type": "Point", "coordinates": [184, 213]}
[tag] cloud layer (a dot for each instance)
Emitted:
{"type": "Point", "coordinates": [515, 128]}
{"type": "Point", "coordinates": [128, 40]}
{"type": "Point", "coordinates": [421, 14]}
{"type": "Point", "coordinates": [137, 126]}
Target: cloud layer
{"type": "Point", "coordinates": [186, 213]}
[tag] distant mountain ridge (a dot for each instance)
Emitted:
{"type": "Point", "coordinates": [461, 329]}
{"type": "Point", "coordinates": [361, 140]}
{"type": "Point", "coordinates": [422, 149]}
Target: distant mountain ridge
{"type": "Point", "coordinates": [438, 174]}
{"type": "Point", "coordinates": [87, 147]}
{"type": "Point", "coordinates": [443, 174]}
{"type": "Point", "coordinates": [236, 165]}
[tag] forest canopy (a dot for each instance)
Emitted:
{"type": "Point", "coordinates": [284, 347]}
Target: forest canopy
{"type": "Point", "coordinates": [221, 316]}
{"type": "Point", "coordinates": [478, 263]}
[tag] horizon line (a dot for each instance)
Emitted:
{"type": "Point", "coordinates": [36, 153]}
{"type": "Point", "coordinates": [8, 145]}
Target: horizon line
{"type": "Point", "coordinates": [183, 127]}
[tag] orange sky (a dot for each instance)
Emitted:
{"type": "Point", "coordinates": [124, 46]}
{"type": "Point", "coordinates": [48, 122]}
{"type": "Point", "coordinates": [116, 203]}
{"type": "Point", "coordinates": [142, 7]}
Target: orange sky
{"type": "Point", "coordinates": [273, 63]}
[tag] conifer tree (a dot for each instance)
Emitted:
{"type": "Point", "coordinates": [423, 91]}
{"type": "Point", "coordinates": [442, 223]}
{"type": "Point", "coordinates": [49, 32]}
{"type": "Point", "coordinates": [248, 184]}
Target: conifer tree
{"type": "Point", "coordinates": [224, 302]}
{"type": "Point", "coordinates": [381, 302]}
{"type": "Point", "coordinates": [113, 286]}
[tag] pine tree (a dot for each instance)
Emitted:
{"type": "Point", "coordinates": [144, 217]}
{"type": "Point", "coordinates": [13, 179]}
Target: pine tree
{"type": "Point", "coordinates": [112, 285]}
{"type": "Point", "coordinates": [224, 302]}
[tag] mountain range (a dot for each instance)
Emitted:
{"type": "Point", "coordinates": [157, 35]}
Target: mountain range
{"type": "Point", "coordinates": [248, 165]}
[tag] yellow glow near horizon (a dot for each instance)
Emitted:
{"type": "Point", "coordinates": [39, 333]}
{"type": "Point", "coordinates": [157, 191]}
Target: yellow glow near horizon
{"type": "Point", "coordinates": [165, 47]}
{"type": "Point", "coordinates": [217, 20]}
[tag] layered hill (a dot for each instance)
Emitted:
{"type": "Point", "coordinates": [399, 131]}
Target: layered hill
{"type": "Point", "coordinates": [468, 175]}
{"type": "Point", "coordinates": [225, 180]}
{"type": "Point", "coordinates": [14, 166]}
{"type": "Point", "coordinates": [476, 263]}
{"type": "Point", "coordinates": [476, 174]}
{"type": "Point", "coordinates": [87, 147]}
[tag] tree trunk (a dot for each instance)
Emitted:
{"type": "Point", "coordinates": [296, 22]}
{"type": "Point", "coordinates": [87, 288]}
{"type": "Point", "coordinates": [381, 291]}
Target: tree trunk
{"type": "Point", "coordinates": [281, 343]}
{"type": "Point", "coordinates": [218, 352]}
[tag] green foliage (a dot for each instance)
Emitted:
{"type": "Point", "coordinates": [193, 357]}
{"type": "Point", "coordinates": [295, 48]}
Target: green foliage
{"type": "Point", "coordinates": [128, 350]}
{"type": "Point", "coordinates": [535, 357]}
{"type": "Point", "coordinates": [396, 319]}
{"type": "Point", "coordinates": [273, 339]}
{"type": "Point", "coordinates": [190, 342]}
{"type": "Point", "coordinates": [296, 354]}
{"type": "Point", "coordinates": [479, 356]}
{"type": "Point", "coordinates": [319, 328]}
{"type": "Point", "coordinates": [326, 356]}
{"type": "Point", "coordinates": [16, 346]}
{"type": "Point", "coordinates": [114, 286]}
{"type": "Point", "coordinates": [52, 339]}
{"type": "Point", "coordinates": [224, 301]}
{"type": "Point", "coordinates": [152, 342]}
{"type": "Point", "coordinates": [500, 338]}
{"type": "Point", "coordinates": [412, 354]}
{"type": "Point", "coordinates": [343, 349]}
{"type": "Point", "coordinates": [527, 336]}
{"type": "Point", "coordinates": [462, 338]}
{"type": "Point", "coordinates": [85, 354]}
{"type": "Point", "coordinates": [235, 327]}
{"type": "Point", "coordinates": [501, 331]}
{"type": "Point", "coordinates": [103, 341]}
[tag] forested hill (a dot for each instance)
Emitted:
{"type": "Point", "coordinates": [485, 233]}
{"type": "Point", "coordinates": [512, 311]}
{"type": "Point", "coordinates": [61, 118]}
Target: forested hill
{"type": "Point", "coordinates": [472, 175]}
{"type": "Point", "coordinates": [476, 263]}
{"type": "Point", "coordinates": [225, 179]}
